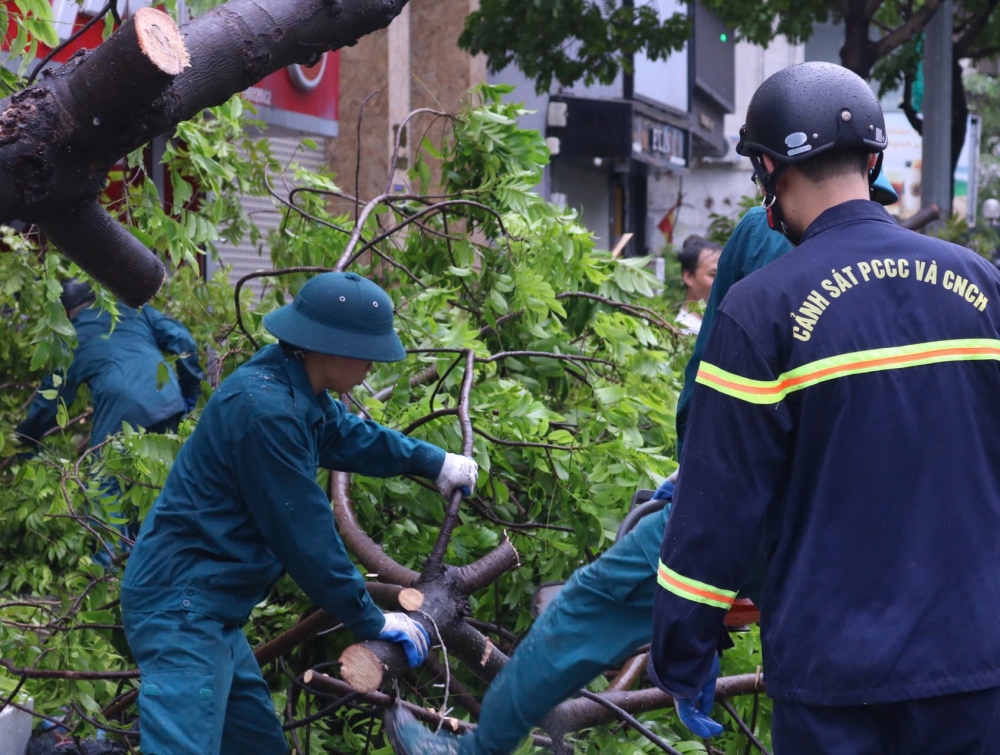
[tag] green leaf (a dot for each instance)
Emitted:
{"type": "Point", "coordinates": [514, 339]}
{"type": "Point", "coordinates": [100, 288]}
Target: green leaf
{"type": "Point", "coordinates": [162, 375]}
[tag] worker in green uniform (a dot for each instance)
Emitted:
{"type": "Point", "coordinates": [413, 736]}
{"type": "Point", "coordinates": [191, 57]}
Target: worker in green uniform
{"type": "Point", "coordinates": [241, 506]}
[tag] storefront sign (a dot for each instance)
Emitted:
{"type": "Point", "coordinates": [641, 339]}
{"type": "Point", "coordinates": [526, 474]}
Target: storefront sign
{"type": "Point", "coordinates": [301, 99]}
{"type": "Point", "coordinates": [658, 141]}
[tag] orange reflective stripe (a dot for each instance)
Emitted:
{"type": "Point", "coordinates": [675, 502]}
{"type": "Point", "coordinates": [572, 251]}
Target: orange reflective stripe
{"type": "Point", "coordinates": [692, 589]}
{"type": "Point", "coordinates": [773, 391]}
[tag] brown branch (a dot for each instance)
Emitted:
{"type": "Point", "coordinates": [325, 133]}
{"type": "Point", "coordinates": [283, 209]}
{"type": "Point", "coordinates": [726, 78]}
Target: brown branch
{"type": "Point", "coordinates": [434, 563]}
{"type": "Point", "coordinates": [482, 573]}
{"type": "Point", "coordinates": [523, 443]}
{"type": "Point", "coordinates": [631, 720]}
{"type": "Point", "coordinates": [459, 691]}
{"type": "Point", "coordinates": [399, 135]}
{"type": "Point", "coordinates": [580, 713]}
{"type": "Point", "coordinates": [544, 355]}
{"type": "Point", "coordinates": [357, 164]}
{"type": "Point", "coordinates": [346, 261]}
{"type": "Point", "coordinates": [484, 511]}
{"type": "Point", "coordinates": [907, 31]}
{"type": "Point", "coordinates": [428, 418]}
{"type": "Point", "coordinates": [629, 673]}
{"type": "Point", "coordinates": [636, 310]}
{"type": "Point", "coordinates": [369, 553]}
{"type": "Point", "coordinates": [974, 28]}
{"type": "Point", "coordinates": [28, 673]}
{"type": "Point", "coordinates": [266, 274]}
{"type": "Point", "coordinates": [316, 622]}
{"type": "Point", "coordinates": [422, 377]}
{"type": "Point", "coordinates": [728, 706]}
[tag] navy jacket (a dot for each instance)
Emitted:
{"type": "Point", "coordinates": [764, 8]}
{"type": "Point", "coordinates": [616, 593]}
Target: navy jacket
{"type": "Point", "coordinates": [241, 504]}
{"type": "Point", "coordinates": [120, 366]}
{"type": "Point", "coordinates": [847, 412]}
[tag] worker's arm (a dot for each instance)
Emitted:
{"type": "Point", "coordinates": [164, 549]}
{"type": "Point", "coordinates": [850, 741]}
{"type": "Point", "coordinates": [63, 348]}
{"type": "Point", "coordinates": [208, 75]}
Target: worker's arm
{"type": "Point", "coordinates": [353, 444]}
{"type": "Point", "coordinates": [734, 460]}
{"type": "Point", "coordinates": [752, 246]}
{"type": "Point", "coordinates": [174, 338]}
{"type": "Point", "coordinates": [43, 411]}
{"type": "Point", "coordinates": [294, 516]}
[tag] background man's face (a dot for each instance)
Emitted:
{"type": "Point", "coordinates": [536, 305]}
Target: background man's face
{"type": "Point", "coordinates": [699, 285]}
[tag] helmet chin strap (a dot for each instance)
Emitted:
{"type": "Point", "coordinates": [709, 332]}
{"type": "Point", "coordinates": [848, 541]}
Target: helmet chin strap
{"type": "Point", "coordinates": [768, 182]}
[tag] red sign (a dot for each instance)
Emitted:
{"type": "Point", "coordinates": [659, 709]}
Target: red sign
{"type": "Point", "coordinates": [299, 98]}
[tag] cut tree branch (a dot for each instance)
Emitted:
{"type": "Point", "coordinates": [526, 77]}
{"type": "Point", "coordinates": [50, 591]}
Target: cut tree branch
{"type": "Point", "coordinates": [61, 136]}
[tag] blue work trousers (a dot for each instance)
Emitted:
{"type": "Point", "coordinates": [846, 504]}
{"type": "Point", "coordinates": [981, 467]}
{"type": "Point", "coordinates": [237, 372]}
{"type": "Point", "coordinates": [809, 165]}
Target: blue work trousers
{"type": "Point", "coordinates": [201, 691]}
{"type": "Point", "coordinates": [602, 615]}
{"type": "Point", "coordinates": [966, 724]}
{"type": "Point", "coordinates": [111, 492]}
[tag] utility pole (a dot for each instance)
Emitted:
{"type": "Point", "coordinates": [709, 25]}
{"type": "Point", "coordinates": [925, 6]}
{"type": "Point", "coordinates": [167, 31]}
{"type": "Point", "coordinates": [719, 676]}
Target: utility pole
{"type": "Point", "coordinates": [936, 188]}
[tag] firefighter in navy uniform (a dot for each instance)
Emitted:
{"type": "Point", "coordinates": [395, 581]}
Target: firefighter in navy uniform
{"type": "Point", "coordinates": [846, 414]}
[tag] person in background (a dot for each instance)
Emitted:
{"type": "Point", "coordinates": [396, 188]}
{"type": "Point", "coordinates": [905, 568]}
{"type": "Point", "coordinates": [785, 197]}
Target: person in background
{"type": "Point", "coordinates": [120, 362]}
{"type": "Point", "coordinates": [699, 260]}
{"type": "Point", "coordinates": [241, 506]}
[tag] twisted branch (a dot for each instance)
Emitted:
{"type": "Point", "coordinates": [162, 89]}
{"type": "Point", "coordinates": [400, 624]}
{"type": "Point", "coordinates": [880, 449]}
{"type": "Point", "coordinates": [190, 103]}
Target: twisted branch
{"type": "Point", "coordinates": [433, 564]}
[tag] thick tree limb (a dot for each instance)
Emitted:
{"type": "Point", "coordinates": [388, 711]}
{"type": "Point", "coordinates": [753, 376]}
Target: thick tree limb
{"type": "Point", "coordinates": [369, 553]}
{"type": "Point", "coordinates": [29, 673]}
{"type": "Point", "coordinates": [580, 713]}
{"type": "Point", "coordinates": [434, 563]}
{"type": "Point", "coordinates": [59, 137]}
{"type": "Point", "coordinates": [907, 31]}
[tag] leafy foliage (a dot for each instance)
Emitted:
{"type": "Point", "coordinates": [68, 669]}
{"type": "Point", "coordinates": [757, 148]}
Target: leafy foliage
{"type": "Point", "coordinates": [570, 40]}
{"type": "Point", "coordinates": [562, 444]}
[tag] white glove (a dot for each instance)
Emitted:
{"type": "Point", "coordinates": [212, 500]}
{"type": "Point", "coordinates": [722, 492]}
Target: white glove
{"type": "Point", "coordinates": [458, 472]}
{"type": "Point", "coordinates": [414, 638]}
{"type": "Point", "coordinates": [673, 477]}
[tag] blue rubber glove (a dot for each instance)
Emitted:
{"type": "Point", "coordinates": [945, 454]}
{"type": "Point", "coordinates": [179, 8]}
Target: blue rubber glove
{"type": "Point", "coordinates": [666, 491]}
{"type": "Point", "coordinates": [190, 402]}
{"type": "Point", "coordinates": [694, 711]}
{"type": "Point", "coordinates": [414, 638]}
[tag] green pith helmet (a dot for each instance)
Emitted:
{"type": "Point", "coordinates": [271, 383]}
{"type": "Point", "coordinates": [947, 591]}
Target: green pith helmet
{"type": "Point", "coordinates": [341, 314]}
{"type": "Point", "coordinates": [882, 191]}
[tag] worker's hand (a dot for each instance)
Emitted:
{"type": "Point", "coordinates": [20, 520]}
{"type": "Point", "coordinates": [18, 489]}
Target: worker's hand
{"type": "Point", "coordinates": [190, 402]}
{"type": "Point", "coordinates": [457, 473]}
{"type": "Point", "coordinates": [414, 638]}
{"type": "Point", "coordinates": [694, 711]}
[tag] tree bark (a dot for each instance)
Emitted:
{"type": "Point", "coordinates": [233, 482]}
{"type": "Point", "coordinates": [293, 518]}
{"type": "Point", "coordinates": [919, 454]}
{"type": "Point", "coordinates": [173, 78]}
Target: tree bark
{"type": "Point", "coordinates": [579, 712]}
{"type": "Point", "coordinates": [59, 137]}
{"type": "Point", "coordinates": [857, 53]}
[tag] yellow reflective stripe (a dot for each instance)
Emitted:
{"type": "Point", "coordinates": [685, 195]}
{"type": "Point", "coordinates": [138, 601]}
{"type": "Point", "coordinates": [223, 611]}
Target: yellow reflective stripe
{"type": "Point", "coordinates": [857, 362]}
{"type": "Point", "coordinates": [692, 589]}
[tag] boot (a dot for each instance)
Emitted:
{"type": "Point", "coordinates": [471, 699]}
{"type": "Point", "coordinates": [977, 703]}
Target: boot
{"type": "Point", "coordinates": [410, 737]}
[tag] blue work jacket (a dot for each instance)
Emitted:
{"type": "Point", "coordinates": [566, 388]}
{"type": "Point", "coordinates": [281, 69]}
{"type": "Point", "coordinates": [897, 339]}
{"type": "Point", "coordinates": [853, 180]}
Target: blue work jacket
{"type": "Point", "coordinates": [241, 504]}
{"type": "Point", "coordinates": [752, 246]}
{"type": "Point", "coordinates": [120, 366]}
{"type": "Point", "coordinates": [846, 415]}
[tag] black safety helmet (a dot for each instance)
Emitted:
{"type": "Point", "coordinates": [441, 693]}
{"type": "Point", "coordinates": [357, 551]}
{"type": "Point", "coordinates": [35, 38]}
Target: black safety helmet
{"type": "Point", "coordinates": [75, 293]}
{"type": "Point", "coordinates": [805, 110]}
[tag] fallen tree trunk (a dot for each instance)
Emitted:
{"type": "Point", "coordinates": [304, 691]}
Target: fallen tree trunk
{"type": "Point", "coordinates": [60, 137]}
